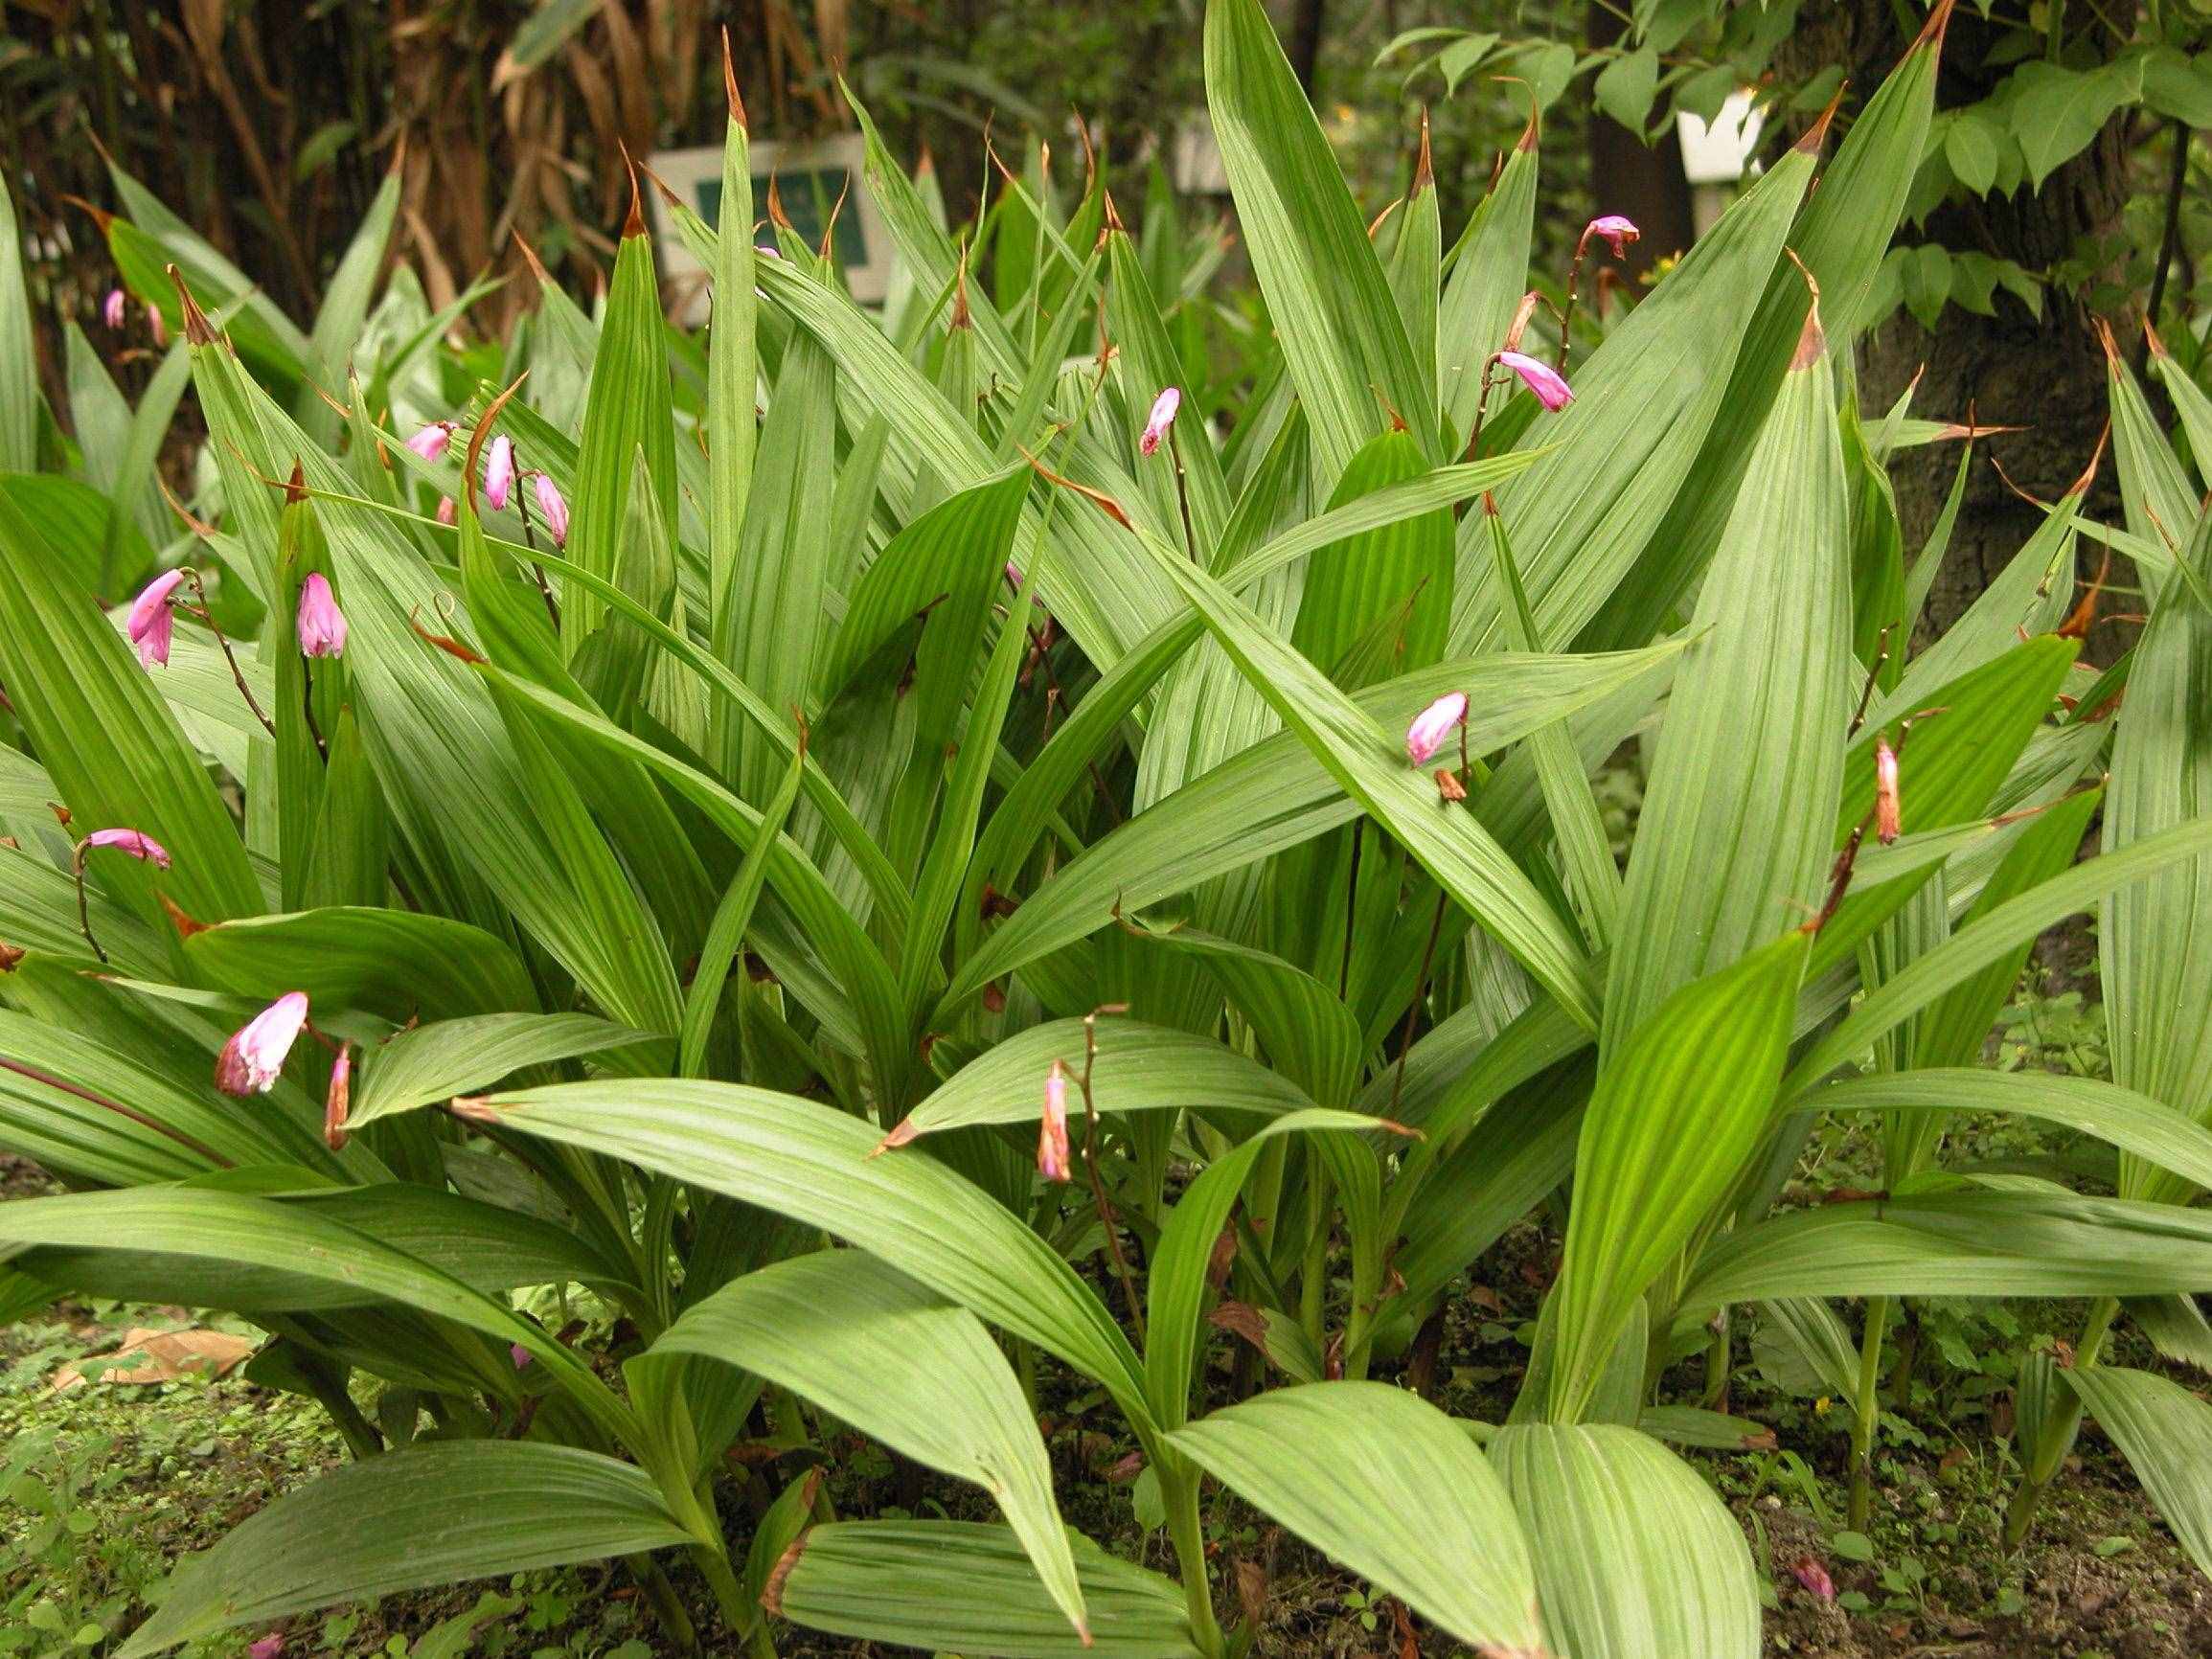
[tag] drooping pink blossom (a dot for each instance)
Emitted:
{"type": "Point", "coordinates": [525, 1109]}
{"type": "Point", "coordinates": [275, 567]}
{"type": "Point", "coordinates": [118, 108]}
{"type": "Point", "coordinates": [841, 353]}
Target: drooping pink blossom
{"type": "Point", "coordinates": [1617, 230]}
{"type": "Point", "coordinates": [1888, 803]}
{"type": "Point", "coordinates": [447, 513]}
{"type": "Point", "coordinates": [150, 623]}
{"type": "Point", "coordinates": [154, 326]}
{"type": "Point", "coordinates": [254, 1058]}
{"type": "Point", "coordinates": [114, 309]}
{"type": "Point", "coordinates": [1162, 416]}
{"type": "Point", "coordinates": [135, 841]}
{"type": "Point", "coordinates": [1433, 725]}
{"type": "Point", "coordinates": [268, 1647]}
{"type": "Point", "coordinates": [1549, 385]}
{"type": "Point", "coordinates": [552, 508]}
{"type": "Point", "coordinates": [518, 1353]}
{"type": "Point", "coordinates": [321, 623]}
{"type": "Point", "coordinates": [431, 441]}
{"type": "Point", "coordinates": [499, 471]}
{"type": "Point", "coordinates": [1053, 1159]}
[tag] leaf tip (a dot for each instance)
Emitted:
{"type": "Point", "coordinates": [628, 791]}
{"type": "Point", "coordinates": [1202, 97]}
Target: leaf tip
{"type": "Point", "coordinates": [197, 329]}
{"type": "Point", "coordinates": [1816, 135]}
{"type": "Point", "coordinates": [903, 1132]}
{"type": "Point", "coordinates": [772, 1592]}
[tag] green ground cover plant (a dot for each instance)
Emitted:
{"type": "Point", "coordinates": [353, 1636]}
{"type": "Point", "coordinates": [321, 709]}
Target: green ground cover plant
{"type": "Point", "coordinates": [864, 875]}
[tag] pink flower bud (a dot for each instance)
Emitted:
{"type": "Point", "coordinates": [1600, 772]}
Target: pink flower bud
{"type": "Point", "coordinates": [767, 251]}
{"type": "Point", "coordinates": [1052, 1161]}
{"type": "Point", "coordinates": [322, 624]}
{"type": "Point", "coordinates": [430, 443]}
{"type": "Point", "coordinates": [251, 1061]}
{"type": "Point", "coordinates": [499, 471]}
{"type": "Point", "coordinates": [1888, 803]}
{"type": "Point", "coordinates": [1549, 385]}
{"type": "Point", "coordinates": [150, 623]}
{"type": "Point", "coordinates": [338, 1099]}
{"type": "Point", "coordinates": [1157, 423]}
{"type": "Point", "coordinates": [114, 309]}
{"type": "Point", "coordinates": [1616, 229]}
{"type": "Point", "coordinates": [518, 1353]}
{"type": "Point", "coordinates": [268, 1647]}
{"type": "Point", "coordinates": [553, 509]}
{"type": "Point", "coordinates": [1433, 725]}
{"type": "Point", "coordinates": [1813, 1576]}
{"type": "Point", "coordinates": [135, 841]}
{"type": "Point", "coordinates": [447, 513]}
{"type": "Point", "coordinates": [1013, 575]}
{"type": "Point", "coordinates": [154, 326]}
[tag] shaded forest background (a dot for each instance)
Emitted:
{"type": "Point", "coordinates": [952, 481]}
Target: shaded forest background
{"type": "Point", "coordinates": [268, 123]}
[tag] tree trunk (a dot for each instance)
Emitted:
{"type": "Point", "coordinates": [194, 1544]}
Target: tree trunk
{"type": "Point", "coordinates": [1307, 18]}
{"type": "Point", "coordinates": [1645, 181]}
{"type": "Point", "coordinates": [2046, 375]}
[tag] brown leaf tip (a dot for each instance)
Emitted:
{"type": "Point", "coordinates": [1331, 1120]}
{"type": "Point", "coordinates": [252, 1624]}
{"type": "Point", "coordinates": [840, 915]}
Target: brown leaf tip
{"type": "Point", "coordinates": [772, 1592]}
{"type": "Point", "coordinates": [2080, 484]}
{"type": "Point", "coordinates": [903, 1133]}
{"type": "Point", "coordinates": [1932, 31]}
{"type": "Point", "coordinates": [296, 487]}
{"type": "Point", "coordinates": [1424, 164]}
{"type": "Point", "coordinates": [2151, 339]}
{"type": "Point", "coordinates": [476, 1108]}
{"type": "Point", "coordinates": [1816, 135]}
{"type": "Point", "coordinates": [634, 224]}
{"type": "Point", "coordinates": [186, 925]}
{"type": "Point", "coordinates": [197, 328]}
{"type": "Point", "coordinates": [11, 957]}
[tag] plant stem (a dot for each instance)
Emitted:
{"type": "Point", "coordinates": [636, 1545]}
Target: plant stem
{"type": "Point", "coordinates": [1106, 1212]}
{"type": "Point", "coordinates": [2058, 1428]}
{"type": "Point", "coordinates": [2168, 242]}
{"type": "Point", "coordinates": [223, 644]}
{"type": "Point", "coordinates": [1866, 1413]}
{"type": "Point", "coordinates": [667, 1608]}
{"type": "Point", "coordinates": [1179, 1497]}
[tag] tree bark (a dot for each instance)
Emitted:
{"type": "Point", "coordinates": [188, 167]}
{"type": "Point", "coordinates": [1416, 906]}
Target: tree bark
{"type": "Point", "coordinates": [1645, 181]}
{"type": "Point", "coordinates": [2045, 374]}
{"type": "Point", "coordinates": [1307, 18]}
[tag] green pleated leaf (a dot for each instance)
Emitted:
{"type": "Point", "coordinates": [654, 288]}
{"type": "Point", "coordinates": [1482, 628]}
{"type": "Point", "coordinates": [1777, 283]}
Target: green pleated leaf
{"type": "Point", "coordinates": [1489, 273]}
{"type": "Point", "coordinates": [628, 411]}
{"type": "Point", "coordinates": [428, 1515]}
{"type": "Point", "coordinates": [1635, 1557]}
{"type": "Point", "coordinates": [1644, 401]}
{"type": "Point", "coordinates": [2155, 488]}
{"type": "Point", "coordinates": [1398, 577]}
{"type": "Point", "coordinates": [2166, 1432]}
{"type": "Point", "coordinates": [296, 1242]}
{"type": "Point", "coordinates": [1733, 840]}
{"type": "Point", "coordinates": [733, 384]}
{"type": "Point", "coordinates": [1387, 1485]}
{"type": "Point", "coordinates": [817, 1165]}
{"type": "Point", "coordinates": [427, 1064]}
{"type": "Point", "coordinates": [394, 963]}
{"type": "Point", "coordinates": [2154, 936]}
{"type": "Point", "coordinates": [2042, 1242]}
{"type": "Point", "coordinates": [18, 357]}
{"type": "Point", "coordinates": [1841, 233]}
{"type": "Point", "coordinates": [1177, 1284]}
{"type": "Point", "coordinates": [1369, 764]}
{"type": "Point", "coordinates": [960, 1587]}
{"type": "Point", "coordinates": [1279, 793]}
{"type": "Point", "coordinates": [1137, 1068]}
{"type": "Point", "coordinates": [768, 609]}
{"type": "Point", "coordinates": [1326, 290]}
{"type": "Point", "coordinates": [867, 1344]}
{"type": "Point", "coordinates": [106, 738]}
{"type": "Point", "coordinates": [1973, 948]}
{"type": "Point", "coordinates": [1681, 1103]}
{"type": "Point", "coordinates": [2135, 1122]}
